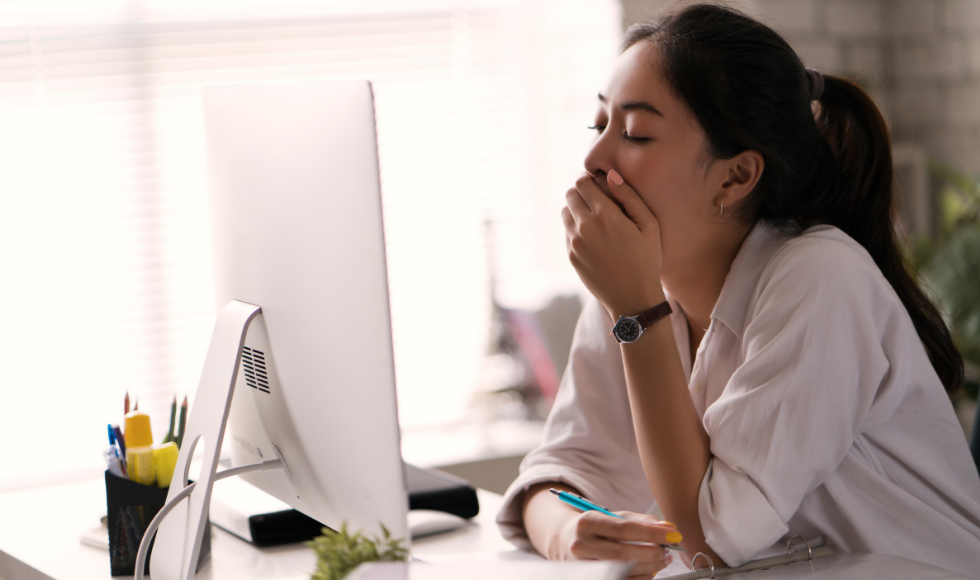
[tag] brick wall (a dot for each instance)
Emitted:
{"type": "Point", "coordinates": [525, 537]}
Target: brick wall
{"type": "Point", "coordinates": [919, 59]}
{"type": "Point", "coordinates": [832, 36]}
{"type": "Point", "coordinates": [934, 91]}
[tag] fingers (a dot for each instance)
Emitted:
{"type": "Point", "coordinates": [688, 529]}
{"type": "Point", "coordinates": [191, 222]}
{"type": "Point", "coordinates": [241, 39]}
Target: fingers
{"type": "Point", "coordinates": [592, 194]}
{"type": "Point", "coordinates": [567, 219]}
{"type": "Point", "coordinates": [616, 253]}
{"type": "Point", "coordinates": [647, 569]}
{"type": "Point", "coordinates": [634, 528]}
{"type": "Point", "coordinates": [584, 202]}
{"type": "Point", "coordinates": [633, 205]}
{"type": "Point", "coordinates": [569, 223]}
{"type": "Point", "coordinates": [647, 519]}
{"type": "Point", "coordinates": [598, 548]}
{"type": "Point", "coordinates": [576, 205]}
{"type": "Point", "coordinates": [639, 539]}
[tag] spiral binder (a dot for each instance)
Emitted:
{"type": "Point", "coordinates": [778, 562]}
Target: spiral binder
{"type": "Point", "coordinates": [819, 548]}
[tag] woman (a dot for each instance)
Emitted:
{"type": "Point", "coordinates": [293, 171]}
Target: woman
{"type": "Point", "coordinates": [799, 385]}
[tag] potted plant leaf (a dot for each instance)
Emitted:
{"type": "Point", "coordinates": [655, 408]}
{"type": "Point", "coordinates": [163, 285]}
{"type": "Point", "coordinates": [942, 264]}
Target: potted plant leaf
{"type": "Point", "coordinates": [948, 264]}
{"type": "Point", "coordinates": [339, 552]}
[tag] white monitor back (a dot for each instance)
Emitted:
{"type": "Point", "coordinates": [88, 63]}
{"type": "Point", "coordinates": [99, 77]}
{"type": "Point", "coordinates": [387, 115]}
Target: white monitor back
{"type": "Point", "coordinates": [298, 231]}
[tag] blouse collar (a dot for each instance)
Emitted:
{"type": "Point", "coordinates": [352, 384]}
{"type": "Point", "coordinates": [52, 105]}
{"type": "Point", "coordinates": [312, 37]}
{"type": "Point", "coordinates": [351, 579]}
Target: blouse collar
{"type": "Point", "coordinates": [756, 252]}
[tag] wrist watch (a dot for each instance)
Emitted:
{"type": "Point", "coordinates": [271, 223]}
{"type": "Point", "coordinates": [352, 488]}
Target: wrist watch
{"type": "Point", "coordinates": [630, 328]}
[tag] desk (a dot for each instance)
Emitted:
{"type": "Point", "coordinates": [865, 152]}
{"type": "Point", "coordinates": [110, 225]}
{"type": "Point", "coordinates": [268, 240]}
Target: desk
{"type": "Point", "coordinates": [40, 530]}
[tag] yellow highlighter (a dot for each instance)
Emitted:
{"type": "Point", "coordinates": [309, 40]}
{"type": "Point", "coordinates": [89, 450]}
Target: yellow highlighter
{"type": "Point", "coordinates": [139, 448]}
{"type": "Point", "coordinates": [164, 462]}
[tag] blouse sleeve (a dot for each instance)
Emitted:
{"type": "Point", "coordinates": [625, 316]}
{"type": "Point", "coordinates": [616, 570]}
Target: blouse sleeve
{"type": "Point", "coordinates": [812, 364]}
{"type": "Point", "coordinates": [588, 440]}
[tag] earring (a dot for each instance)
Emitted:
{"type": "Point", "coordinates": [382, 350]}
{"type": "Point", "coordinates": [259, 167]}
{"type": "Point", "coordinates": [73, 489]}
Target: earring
{"type": "Point", "coordinates": [723, 207]}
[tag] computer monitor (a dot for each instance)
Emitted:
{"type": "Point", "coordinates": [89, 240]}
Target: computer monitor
{"type": "Point", "coordinates": [298, 232]}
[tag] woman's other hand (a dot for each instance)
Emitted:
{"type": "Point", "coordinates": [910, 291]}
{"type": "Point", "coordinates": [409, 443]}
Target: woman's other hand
{"type": "Point", "coordinates": [638, 538]}
{"type": "Point", "coordinates": [561, 532]}
{"type": "Point", "coordinates": [613, 241]}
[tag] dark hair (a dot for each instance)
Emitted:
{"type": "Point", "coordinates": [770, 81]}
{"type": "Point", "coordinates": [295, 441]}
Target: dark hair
{"type": "Point", "coordinates": [749, 91]}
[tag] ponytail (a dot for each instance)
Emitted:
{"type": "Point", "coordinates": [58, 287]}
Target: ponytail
{"type": "Point", "coordinates": [828, 161]}
{"type": "Point", "coordinates": [863, 207]}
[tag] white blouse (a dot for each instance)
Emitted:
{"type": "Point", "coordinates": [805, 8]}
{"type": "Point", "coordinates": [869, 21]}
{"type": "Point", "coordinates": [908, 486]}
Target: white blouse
{"type": "Point", "coordinates": [824, 413]}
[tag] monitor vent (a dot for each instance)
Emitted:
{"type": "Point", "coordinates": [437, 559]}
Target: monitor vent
{"type": "Point", "coordinates": [253, 361]}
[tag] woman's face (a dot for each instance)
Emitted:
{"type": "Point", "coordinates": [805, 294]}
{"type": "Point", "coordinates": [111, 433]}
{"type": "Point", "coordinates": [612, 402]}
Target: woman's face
{"type": "Point", "coordinates": [650, 137]}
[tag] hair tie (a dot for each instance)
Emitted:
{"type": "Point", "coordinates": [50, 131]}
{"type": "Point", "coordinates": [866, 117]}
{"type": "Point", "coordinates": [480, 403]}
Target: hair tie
{"type": "Point", "coordinates": [816, 83]}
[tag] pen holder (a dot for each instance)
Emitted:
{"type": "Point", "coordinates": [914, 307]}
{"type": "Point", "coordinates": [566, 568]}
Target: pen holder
{"type": "Point", "coordinates": [131, 506]}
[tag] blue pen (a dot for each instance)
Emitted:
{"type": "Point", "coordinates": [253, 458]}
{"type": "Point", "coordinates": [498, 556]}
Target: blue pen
{"type": "Point", "coordinates": [117, 466]}
{"type": "Point", "coordinates": [585, 505]}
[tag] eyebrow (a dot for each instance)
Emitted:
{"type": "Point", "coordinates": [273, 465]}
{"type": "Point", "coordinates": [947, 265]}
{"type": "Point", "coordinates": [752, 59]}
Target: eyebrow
{"type": "Point", "coordinates": [635, 106]}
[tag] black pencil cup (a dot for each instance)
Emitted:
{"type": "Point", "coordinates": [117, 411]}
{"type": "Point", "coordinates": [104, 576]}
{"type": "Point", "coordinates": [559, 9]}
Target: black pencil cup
{"type": "Point", "coordinates": [131, 507]}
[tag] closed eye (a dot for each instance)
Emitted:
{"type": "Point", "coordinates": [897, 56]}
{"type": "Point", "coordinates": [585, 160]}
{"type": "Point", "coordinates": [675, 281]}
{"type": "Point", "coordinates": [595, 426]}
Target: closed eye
{"type": "Point", "coordinates": [597, 128]}
{"type": "Point", "coordinates": [633, 139]}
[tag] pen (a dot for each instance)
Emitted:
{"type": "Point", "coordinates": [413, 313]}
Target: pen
{"type": "Point", "coordinates": [116, 465]}
{"type": "Point", "coordinates": [585, 505]}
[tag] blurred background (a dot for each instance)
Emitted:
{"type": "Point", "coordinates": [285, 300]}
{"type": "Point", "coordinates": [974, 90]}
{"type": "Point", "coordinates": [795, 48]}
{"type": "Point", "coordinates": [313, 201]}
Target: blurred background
{"type": "Point", "coordinates": [482, 108]}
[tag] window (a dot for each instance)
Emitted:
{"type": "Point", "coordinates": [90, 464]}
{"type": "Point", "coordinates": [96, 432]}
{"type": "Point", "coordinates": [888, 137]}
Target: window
{"type": "Point", "coordinates": [481, 110]}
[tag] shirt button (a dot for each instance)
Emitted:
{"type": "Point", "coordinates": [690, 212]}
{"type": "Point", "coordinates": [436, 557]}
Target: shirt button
{"type": "Point", "coordinates": [698, 387]}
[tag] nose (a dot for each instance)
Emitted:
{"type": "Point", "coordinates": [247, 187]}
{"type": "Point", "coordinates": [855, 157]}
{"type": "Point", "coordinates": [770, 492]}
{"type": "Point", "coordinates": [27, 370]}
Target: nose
{"type": "Point", "coordinates": [599, 159]}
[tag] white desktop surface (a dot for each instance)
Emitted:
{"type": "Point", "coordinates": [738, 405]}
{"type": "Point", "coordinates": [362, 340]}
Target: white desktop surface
{"type": "Point", "coordinates": [40, 530]}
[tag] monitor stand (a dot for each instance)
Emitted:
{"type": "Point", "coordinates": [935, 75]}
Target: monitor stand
{"type": "Point", "coordinates": [178, 541]}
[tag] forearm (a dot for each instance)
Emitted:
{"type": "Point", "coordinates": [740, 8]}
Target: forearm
{"type": "Point", "coordinates": [545, 516]}
{"type": "Point", "coordinates": [673, 445]}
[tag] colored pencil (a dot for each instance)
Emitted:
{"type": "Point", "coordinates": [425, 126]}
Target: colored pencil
{"type": "Point", "coordinates": [173, 417]}
{"type": "Point", "coordinates": [183, 422]}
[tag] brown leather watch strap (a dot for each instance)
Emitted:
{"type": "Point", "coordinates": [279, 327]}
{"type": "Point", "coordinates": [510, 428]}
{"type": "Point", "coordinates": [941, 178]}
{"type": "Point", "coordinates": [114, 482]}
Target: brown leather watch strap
{"type": "Point", "coordinates": [650, 317]}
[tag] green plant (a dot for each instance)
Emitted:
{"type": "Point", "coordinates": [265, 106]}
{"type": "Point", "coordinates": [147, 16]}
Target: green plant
{"type": "Point", "coordinates": [339, 552]}
{"type": "Point", "coordinates": [949, 262]}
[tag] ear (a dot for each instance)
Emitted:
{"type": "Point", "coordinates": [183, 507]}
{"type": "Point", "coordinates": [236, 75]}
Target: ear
{"type": "Point", "coordinates": [741, 174]}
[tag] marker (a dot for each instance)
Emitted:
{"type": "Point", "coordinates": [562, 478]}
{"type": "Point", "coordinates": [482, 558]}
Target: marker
{"type": "Point", "coordinates": [164, 461]}
{"type": "Point", "coordinates": [139, 451]}
{"type": "Point", "coordinates": [579, 502]}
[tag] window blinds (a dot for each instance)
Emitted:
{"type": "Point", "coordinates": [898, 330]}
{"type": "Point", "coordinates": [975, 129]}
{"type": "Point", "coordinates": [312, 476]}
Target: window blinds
{"type": "Point", "coordinates": [481, 109]}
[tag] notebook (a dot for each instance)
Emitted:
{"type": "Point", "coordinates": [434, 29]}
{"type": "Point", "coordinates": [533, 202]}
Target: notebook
{"type": "Point", "coordinates": [493, 570]}
{"type": "Point", "coordinates": [829, 566]}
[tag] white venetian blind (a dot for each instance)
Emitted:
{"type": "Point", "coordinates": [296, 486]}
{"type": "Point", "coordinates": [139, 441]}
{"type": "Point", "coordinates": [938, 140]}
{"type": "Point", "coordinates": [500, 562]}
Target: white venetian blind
{"type": "Point", "coordinates": [104, 232]}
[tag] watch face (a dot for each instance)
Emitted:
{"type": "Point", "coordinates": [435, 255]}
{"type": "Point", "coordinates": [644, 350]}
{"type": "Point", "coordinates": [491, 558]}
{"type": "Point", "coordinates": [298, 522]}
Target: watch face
{"type": "Point", "coordinates": [627, 330]}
